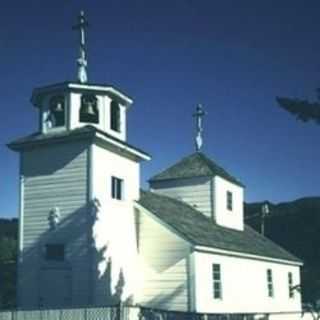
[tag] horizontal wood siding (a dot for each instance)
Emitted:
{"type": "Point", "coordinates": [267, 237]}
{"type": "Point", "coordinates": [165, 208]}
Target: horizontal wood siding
{"type": "Point", "coordinates": [54, 176]}
{"type": "Point", "coordinates": [195, 191]}
{"type": "Point", "coordinates": [164, 258]}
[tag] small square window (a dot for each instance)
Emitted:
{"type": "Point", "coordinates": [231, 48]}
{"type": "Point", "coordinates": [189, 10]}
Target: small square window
{"type": "Point", "coordinates": [55, 252]}
{"type": "Point", "coordinates": [116, 188]}
{"type": "Point", "coordinates": [229, 200]}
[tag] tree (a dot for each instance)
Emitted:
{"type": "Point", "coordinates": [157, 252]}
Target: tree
{"type": "Point", "coordinates": [8, 254]}
{"type": "Point", "coordinates": [8, 250]}
{"type": "Point", "coordinates": [302, 109]}
{"type": "Point", "coordinates": [313, 309]}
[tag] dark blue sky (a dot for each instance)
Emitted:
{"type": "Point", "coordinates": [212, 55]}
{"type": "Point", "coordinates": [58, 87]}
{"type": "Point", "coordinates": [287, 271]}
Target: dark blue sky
{"type": "Point", "coordinates": [232, 56]}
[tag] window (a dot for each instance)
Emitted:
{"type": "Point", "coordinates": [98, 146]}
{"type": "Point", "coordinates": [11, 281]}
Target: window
{"type": "Point", "coordinates": [217, 285]}
{"type": "Point", "coordinates": [229, 200]}
{"type": "Point", "coordinates": [270, 283]}
{"type": "Point", "coordinates": [54, 252]}
{"type": "Point", "coordinates": [116, 188]}
{"type": "Point", "coordinates": [89, 112]}
{"type": "Point", "coordinates": [290, 285]}
{"type": "Point", "coordinates": [57, 111]}
{"type": "Point", "coordinates": [115, 116]}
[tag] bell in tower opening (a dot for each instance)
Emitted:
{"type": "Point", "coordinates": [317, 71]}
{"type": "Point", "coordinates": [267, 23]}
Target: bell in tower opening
{"type": "Point", "coordinates": [56, 112]}
{"type": "Point", "coordinates": [89, 112]}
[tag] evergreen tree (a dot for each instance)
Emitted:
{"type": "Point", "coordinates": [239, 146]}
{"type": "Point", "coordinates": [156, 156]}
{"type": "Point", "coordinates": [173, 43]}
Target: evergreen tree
{"type": "Point", "coordinates": [302, 109]}
{"type": "Point", "coordinates": [8, 254]}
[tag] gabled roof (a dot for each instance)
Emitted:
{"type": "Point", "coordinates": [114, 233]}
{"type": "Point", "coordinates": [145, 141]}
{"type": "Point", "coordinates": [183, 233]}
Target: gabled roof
{"type": "Point", "coordinates": [195, 165]}
{"type": "Point", "coordinates": [87, 131]}
{"type": "Point", "coordinates": [199, 230]}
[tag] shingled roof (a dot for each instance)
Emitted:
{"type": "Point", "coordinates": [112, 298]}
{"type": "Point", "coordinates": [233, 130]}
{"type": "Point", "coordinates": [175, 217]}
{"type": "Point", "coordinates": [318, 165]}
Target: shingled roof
{"type": "Point", "coordinates": [195, 165]}
{"type": "Point", "coordinates": [198, 229]}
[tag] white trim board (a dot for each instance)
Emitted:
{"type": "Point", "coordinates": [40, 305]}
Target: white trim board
{"type": "Point", "coordinates": [245, 255]}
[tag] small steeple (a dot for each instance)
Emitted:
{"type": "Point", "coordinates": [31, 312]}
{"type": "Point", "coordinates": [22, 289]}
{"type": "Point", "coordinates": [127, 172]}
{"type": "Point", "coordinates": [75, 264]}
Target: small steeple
{"type": "Point", "coordinates": [199, 114]}
{"type": "Point", "coordinates": [82, 60]}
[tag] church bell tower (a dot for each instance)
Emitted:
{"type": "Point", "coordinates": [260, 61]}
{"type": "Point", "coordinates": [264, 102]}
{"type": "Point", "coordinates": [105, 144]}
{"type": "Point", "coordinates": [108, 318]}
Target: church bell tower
{"type": "Point", "coordinates": [79, 179]}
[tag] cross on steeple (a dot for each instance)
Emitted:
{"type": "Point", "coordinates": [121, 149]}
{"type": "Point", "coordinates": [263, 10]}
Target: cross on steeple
{"type": "Point", "coordinates": [199, 114]}
{"type": "Point", "coordinates": [82, 60]}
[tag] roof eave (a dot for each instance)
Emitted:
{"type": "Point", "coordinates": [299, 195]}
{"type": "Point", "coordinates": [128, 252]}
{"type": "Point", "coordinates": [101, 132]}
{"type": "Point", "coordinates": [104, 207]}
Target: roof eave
{"type": "Point", "coordinates": [216, 250]}
{"type": "Point", "coordinates": [18, 146]}
{"type": "Point", "coordinates": [90, 133]}
{"type": "Point", "coordinates": [153, 179]}
{"type": "Point", "coordinates": [38, 93]}
{"type": "Point", "coordinates": [126, 148]}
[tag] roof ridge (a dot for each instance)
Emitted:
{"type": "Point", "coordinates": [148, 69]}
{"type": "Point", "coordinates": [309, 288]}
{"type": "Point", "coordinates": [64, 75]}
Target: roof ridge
{"type": "Point", "coordinates": [210, 161]}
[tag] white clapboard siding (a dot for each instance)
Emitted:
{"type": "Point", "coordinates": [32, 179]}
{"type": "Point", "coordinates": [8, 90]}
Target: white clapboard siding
{"type": "Point", "coordinates": [54, 176]}
{"type": "Point", "coordinates": [164, 266]}
{"type": "Point", "coordinates": [244, 285]}
{"type": "Point", "coordinates": [195, 191]}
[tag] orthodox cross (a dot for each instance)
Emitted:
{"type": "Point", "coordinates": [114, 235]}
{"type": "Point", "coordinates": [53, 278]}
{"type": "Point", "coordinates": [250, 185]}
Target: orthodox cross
{"type": "Point", "coordinates": [82, 60]}
{"type": "Point", "coordinates": [199, 114]}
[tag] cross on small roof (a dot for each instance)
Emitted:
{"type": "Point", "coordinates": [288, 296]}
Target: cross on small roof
{"type": "Point", "coordinates": [82, 60]}
{"type": "Point", "coordinates": [199, 114]}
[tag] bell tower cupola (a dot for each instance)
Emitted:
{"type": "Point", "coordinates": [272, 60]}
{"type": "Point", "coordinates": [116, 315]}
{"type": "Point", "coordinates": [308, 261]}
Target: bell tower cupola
{"type": "Point", "coordinates": [73, 104]}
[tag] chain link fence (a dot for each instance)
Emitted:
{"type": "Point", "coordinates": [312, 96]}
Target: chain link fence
{"type": "Point", "coordinates": [153, 314]}
{"type": "Point", "coordinates": [103, 313]}
{"type": "Point", "coordinates": [136, 313]}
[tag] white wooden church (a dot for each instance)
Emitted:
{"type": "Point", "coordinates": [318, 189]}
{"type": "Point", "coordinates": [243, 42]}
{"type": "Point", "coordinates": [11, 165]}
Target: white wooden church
{"type": "Point", "coordinates": [89, 236]}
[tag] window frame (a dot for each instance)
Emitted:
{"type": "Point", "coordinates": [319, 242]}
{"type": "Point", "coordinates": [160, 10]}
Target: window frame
{"type": "Point", "coordinates": [229, 200]}
{"type": "Point", "coordinates": [117, 185]}
{"type": "Point", "coordinates": [270, 285]}
{"type": "Point", "coordinates": [216, 281]}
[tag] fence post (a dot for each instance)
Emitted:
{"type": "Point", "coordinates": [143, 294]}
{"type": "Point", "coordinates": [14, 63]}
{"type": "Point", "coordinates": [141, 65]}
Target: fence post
{"type": "Point", "coordinates": [121, 313]}
{"type": "Point", "coordinates": [118, 312]}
